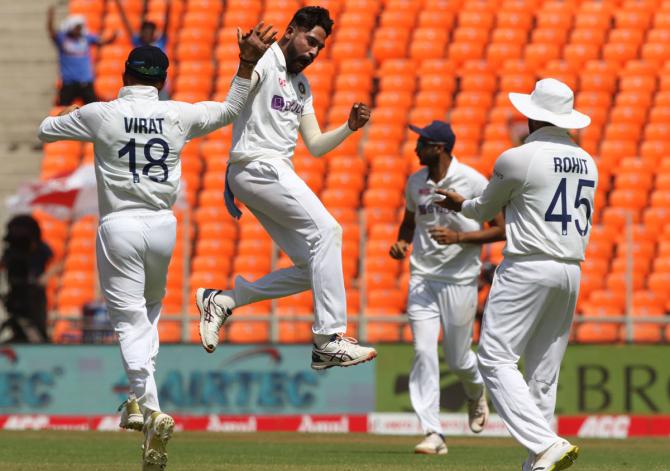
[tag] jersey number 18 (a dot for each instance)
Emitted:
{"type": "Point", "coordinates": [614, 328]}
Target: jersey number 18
{"type": "Point", "coordinates": [129, 149]}
{"type": "Point", "coordinates": [561, 196]}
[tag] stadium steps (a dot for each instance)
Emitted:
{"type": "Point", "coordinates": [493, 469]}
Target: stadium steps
{"type": "Point", "coordinates": [27, 91]}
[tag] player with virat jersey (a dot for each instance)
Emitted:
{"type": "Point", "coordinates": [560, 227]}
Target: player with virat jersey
{"type": "Point", "coordinates": [137, 143]}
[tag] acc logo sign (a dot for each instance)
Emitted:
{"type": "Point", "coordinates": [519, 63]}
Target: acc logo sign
{"type": "Point", "coordinates": [605, 426]}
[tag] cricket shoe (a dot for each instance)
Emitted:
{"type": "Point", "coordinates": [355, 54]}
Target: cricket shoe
{"type": "Point", "coordinates": [157, 432]}
{"type": "Point", "coordinates": [478, 413]}
{"type": "Point", "coordinates": [561, 455]}
{"type": "Point", "coordinates": [433, 444]}
{"type": "Point", "coordinates": [131, 416]}
{"type": "Point", "coordinates": [340, 351]}
{"type": "Point", "coordinates": [212, 315]}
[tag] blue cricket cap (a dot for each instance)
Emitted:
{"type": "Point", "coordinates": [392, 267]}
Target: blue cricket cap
{"type": "Point", "coordinates": [437, 131]}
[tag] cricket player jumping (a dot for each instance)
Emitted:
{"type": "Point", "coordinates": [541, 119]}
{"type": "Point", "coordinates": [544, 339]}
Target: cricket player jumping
{"type": "Point", "coordinates": [261, 175]}
{"type": "Point", "coordinates": [445, 265]}
{"type": "Point", "coordinates": [137, 141]}
{"type": "Point", "coordinates": [547, 188]}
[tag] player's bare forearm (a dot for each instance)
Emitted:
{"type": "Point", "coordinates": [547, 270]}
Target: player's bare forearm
{"type": "Point", "coordinates": [407, 227]}
{"type": "Point", "coordinates": [406, 233]}
{"type": "Point", "coordinates": [494, 233]}
{"type": "Point", "coordinates": [245, 70]}
{"type": "Point", "coordinates": [485, 236]}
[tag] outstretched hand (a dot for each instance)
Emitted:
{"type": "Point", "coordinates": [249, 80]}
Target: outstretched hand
{"type": "Point", "coordinates": [452, 200]}
{"type": "Point", "coordinates": [255, 42]}
{"type": "Point", "coordinates": [359, 115]}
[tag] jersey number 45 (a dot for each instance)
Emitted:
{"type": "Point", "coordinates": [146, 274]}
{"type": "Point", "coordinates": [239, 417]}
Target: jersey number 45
{"type": "Point", "coordinates": [561, 196]}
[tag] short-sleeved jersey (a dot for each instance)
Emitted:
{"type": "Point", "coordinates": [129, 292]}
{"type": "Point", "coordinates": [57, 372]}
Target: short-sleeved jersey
{"type": "Point", "coordinates": [456, 263]}
{"type": "Point", "coordinates": [137, 142]}
{"type": "Point", "coordinates": [547, 188]}
{"type": "Point", "coordinates": [74, 55]}
{"type": "Point", "coordinates": [268, 125]}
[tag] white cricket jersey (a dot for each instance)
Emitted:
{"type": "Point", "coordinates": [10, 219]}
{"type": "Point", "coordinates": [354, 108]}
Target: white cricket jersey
{"type": "Point", "coordinates": [455, 263]}
{"type": "Point", "coordinates": [547, 188]}
{"type": "Point", "coordinates": [268, 125]}
{"type": "Point", "coordinates": [137, 141]}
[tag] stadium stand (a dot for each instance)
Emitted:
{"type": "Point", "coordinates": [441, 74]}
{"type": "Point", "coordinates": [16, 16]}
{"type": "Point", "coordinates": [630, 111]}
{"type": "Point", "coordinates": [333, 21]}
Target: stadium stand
{"type": "Point", "coordinates": [415, 61]}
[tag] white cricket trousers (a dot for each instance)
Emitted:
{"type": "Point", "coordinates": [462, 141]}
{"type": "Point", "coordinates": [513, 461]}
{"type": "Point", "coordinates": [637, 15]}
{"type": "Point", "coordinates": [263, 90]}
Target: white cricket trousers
{"type": "Point", "coordinates": [529, 313]}
{"type": "Point", "coordinates": [429, 304]}
{"type": "Point", "coordinates": [133, 251]}
{"type": "Point", "coordinates": [302, 227]}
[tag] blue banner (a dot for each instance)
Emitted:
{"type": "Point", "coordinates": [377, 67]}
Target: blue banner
{"type": "Point", "coordinates": [234, 380]}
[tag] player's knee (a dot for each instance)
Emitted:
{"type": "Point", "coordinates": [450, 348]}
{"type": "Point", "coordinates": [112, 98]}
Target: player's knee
{"type": "Point", "coordinates": [424, 352]}
{"type": "Point", "coordinates": [331, 230]}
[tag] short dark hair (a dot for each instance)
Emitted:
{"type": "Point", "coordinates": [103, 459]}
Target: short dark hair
{"type": "Point", "coordinates": [309, 17]}
{"type": "Point", "coordinates": [148, 24]}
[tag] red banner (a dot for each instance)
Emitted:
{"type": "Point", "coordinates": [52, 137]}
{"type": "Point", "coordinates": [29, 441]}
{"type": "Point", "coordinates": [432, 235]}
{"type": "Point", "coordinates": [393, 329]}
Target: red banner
{"type": "Point", "coordinates": [601, 426]}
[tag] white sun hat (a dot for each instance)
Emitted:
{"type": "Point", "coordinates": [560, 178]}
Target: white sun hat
{"type": "Point", "coordinates": [552, 101]}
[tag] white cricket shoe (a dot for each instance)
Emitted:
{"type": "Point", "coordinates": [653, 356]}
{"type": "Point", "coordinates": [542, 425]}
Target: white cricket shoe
{"type": "Point", "coordinates": [561, 455]}
{"type": "Point", "coordinates": [432, 444]}
{"type": "Point", "coordinates": [157, 432]}
{"type": "Point", "coordinates": [212, 315]}
{"type": "Point", "coordinates": [131, 416]}
{"type": "Point", "coordinates": [340, 351]}
{"type": "Point", "coordinates": [478, 413]}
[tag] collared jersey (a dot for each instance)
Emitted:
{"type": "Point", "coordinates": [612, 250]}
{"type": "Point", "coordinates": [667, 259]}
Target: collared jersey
{"type": "Point", "coordinates": [268, 125]}
{"type": "Point", "coordinates": [455, 263]}
{"type": "Point", "coordinates": [138, 139]}
{"type": "Point", "coordinates": [547, 187]}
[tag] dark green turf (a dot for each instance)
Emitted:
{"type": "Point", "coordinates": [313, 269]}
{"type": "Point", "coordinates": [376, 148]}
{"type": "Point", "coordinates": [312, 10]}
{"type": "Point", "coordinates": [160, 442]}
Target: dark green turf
{"type": "Point", "coordinates": [73, 451]}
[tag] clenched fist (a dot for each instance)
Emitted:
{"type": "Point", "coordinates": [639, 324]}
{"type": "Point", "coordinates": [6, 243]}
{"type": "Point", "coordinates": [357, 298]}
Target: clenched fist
{"type": "Point", "coordinates": [399, 250]}
{"type": "Point", "coordinates": [360, 114]}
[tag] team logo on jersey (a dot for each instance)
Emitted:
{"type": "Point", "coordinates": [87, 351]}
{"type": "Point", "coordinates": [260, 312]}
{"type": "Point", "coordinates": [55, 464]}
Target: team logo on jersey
{"type": "Point", "coordinates": [278, 103]}
{"type": "Point", "coordinates": [425, 191]}
{"type": "Point", "coordinates": [282, 82]}
{"type": "Point", "coordinates": [301, 87]}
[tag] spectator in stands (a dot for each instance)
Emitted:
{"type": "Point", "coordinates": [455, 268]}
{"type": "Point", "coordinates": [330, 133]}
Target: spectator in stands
{"type": "Point", "coordinates": [147, 35]}
{"type": "Point", "coordinates": [24, 264]}
{"type": "Point", "coordinates": [74, 51]}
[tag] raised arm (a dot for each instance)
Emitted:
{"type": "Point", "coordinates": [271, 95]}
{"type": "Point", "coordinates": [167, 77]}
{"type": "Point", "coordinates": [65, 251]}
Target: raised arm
{"type": "Point", "coordinates": [207, 116]}
{"type": "Point", "coordinates": [166, 23]}
{"type": "Point", "coordinates": [124, 19]}
{"type": "Point", "coordinates": [319, 143]}
{"type": "Point", "coordinates": [51, 14]}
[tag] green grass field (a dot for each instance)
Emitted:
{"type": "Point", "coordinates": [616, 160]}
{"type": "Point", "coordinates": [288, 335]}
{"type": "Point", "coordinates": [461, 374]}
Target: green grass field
{"type": "Point", "coordinates": [74, 451]}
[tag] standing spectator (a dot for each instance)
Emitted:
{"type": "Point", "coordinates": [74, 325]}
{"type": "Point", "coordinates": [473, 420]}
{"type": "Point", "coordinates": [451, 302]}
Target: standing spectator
{"type": "Point", "coordinates": [74, 57]}
{"type": "Point", "coordinates": [24, 264]}
{"type": "Point", "coordinates": [147, 35]}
